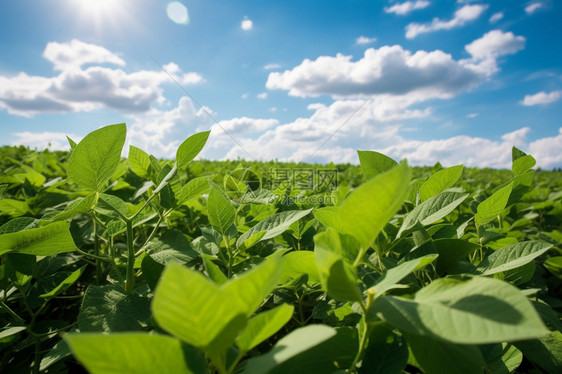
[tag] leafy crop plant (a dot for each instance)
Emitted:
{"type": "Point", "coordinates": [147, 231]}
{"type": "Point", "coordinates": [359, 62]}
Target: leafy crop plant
{"type": "Point", "coordinates": [154, 266]}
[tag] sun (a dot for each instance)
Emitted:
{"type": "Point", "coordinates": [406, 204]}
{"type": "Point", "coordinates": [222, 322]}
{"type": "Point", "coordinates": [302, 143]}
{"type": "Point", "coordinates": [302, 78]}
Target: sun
{"type": "Point", "coordinates": [101, 13]}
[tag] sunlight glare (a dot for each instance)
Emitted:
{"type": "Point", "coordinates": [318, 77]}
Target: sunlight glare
{"type": "Point", "coordinates": [177, 12]}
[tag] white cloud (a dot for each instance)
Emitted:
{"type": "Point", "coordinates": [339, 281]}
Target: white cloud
{"type": "Point", "coordinates": [532, 8]}
{"type": "Point", "coordinates": [496, 17]}
{"type": "Point", "coordinates": [365, 40]}
{"type": "Point", "coordinates": [246, 24]}
{"type": "Point", "coordinates": [472, 115]}
{"type": "Point", "coordinates": [393, 70]}
{"type": "Point", "coordinates": [541, 98]}
{"type": "Point", "coordinates": [463, 15]}
{"type": "Point", "coordinates": [407, 7]}
{"type": "Point", "coordinates": [76, 53]}
{"type": "Point", "coordinates": [245, 95]}
{"type": "Point", "coordinates": [547, 151]}
{"type": "Point", "coordinates": [243, 125]}
{"type": "Point", "coordinates": [272, 66]}
{"type": "Point", "coordinates": [54, 141]}
{"type": "Point", "coordinates": [76, 88]}
{"type": "Point", "coordinates": [262, 95]}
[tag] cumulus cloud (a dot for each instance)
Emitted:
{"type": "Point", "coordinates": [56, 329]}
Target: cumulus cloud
{"type": "Point", "coordinates": [396, 71]}
{"type": "Point", "coordinates": [547, 151]}
{"type": "Point", "coordinates": [463, 15]}
{"type": "Point", "coordinates": [54, 141]}
{"type": "Point", "coordinates": [541, 98]}
{"type": "Point", "coordinates": [496, 17]}
{"type": "Point", "coordinates": [77, 88]}
{"type": "Point", "coordinates": [365, 40]}
{"type": "Point", "coordinates": [532, 8]}
{"type": "Point", "coordinates": [407, 7]}
{"type": "Point", "coordinates": [246, 24]}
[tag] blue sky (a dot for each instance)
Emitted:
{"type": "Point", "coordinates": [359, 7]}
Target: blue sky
{"type": "Point", "coordinates": [451, 81]}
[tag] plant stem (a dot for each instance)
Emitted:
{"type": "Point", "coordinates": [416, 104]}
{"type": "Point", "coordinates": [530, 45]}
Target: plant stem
{"type": "Point", "coordinates": [230, 256]}
{"type": "Point", "coordinates": [36, 361]}
{"type": "Point", "coordinates": [130, 282]}
{"type": "Point", "coordinates": [96, 249]}
{"type": "Point", "coordinates": [366, 332]}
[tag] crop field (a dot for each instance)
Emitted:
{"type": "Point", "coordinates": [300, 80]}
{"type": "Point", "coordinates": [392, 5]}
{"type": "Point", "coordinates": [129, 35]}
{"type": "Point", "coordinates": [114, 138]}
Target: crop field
{"type": "Point", "coordinates": [141, 265]}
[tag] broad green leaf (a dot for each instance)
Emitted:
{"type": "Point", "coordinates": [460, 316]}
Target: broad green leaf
{"type": "Point", "coordinates": [501, 358]}
{"type": "Point", "coordinates": [440, 181]}
{"type": "Point", "coordinates": [112, 205]}
{"type": "Point", "coordinates": [57, 353]}
{"type": "Point", "coordinates": [338, 276]}
{"type": "Point", "coordinates": [18, 224]}
{"type": "Point", "coordinates": [545, 352]}
{"type": "Point", "coordinates": [439, 357]}
{"type": "Point", "coordinates": [516, 153]}
{"type": "Point", "coordinates": [264, 325]}
{"type": "Point", "coordinates": [14, 207]}
{"type": "Point", "coordinates": [295, 264]}
{"type": "Point", "coordinates": [71, 142]}
{"type": "Point", "coordinates": [213, 271]}
{"type": "Point", "coordinates": [108, 309]}
{"type": "Point", "coordinates": [307, 350]}
{"type": "Point", "coordinates": [477, 311]}
{"type": "Point", "coordinates": [374, 163]}
{"type": "Point", "coordinates": [139, 161]}
{"type": "Point", "coordinates": [387, 352]}
{"type": "Point", "coordinates": [19, 268]}
{"type": "Point", "coordinates": [188, 305]}
{"type": "Point", "coordinates": [451, 251]}
{"type": "Point", "coordinates": [165, 177]}
{"type": "Point", "coordinates": [80, 205]}
{"type": "Point", "coordinates": [43, 241]}
{"type": "Point", "coordinates": [134, 353]}
{"type": "Point", "coordinates": [11, 331]}
{"type": "Point", "coordinates": [191, 148]}
{"type": "Point", "coordinates": [369, 208]}
{"type": "Point", "coordinates": [512, 256]}
{"type": "Point", "coordinates": [67, 282]}
{"type": "Point", "coordinates": [329, 217]}
{"type": "Point", "coordinates": [392, 276]}
{"type": "Point", "coordinates": [492, 207]}
{"type": "Point", "coordinates": [522, 164]}
{"type": "Point", "coordinates": [431, 210]}
{"type": "Point", "coordinates": [193, 188]}
{"type": "Point", "coordinates": [94, 160]}
{"type": "Point", "coordinates": [270, 227]}
{"type": "Point", "coordinates": [221, 211]}
{"type": "Point", "coordinates": [554, 265]}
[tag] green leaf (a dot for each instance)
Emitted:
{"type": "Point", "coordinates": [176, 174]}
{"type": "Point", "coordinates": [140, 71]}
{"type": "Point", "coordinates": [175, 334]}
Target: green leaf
{"type": "Point", "coordinates": [291, 347]}
{"type": "Point", "coordinates": [545, 352]}
{"type": "Point", "coordinates": [13, 330]}
{"type": "Point", "coordinates": [522, 164]}
{"type": "Point", "coordinates": [134, 353]}
{"type": "Point", "coordinates": [67, 282]}
{"type": "Point", "coordinates": [374, 163]}
{"type": "Point", "coordinates": [338, 277]}
{"type": "Point", "coordinates": [18, 224]}
{"type": "Point", "coordinates": [369, 208]}
{"type": "Point", "coordinates": [110, 204]}
{"type": "Point", "coordinates": [451, 251]}
{"type": "Point", "coordinates": [139, 161]}
{"type": "Point", "coordinates": [191, 148]}
{"type": "Point", "coordinates": [431, 210]}
{"type": "Point", "coordinates": [57, 353]}
{"type": "Point", "coordinates": [270, 227]}
{"type": "Point", "coordinates": [516, 153]}
{"type": "Point", "coordinates": [477, 311]}
{"type": "Point", "coordinates": [71, 142]}
{"type": "Point", "coordinates": [108, 309]}
{"type": "Point", "coordinates": [502, 358]}
{"type": "Point", "coordinates": [392, 276]}
{"type": "Point", "coordinates": [493, 206]}
{"type": "Point", "coordinates": [213, 271]}
{"type": "Point", "coordinates": [264, 325]}
{"type": "Point", "coordinates": [440, 357]}
{"type": "Point", "coordinates": [297, 263]}
{"type": "Point", "coordinates": [193, 188]}
{"type": "Point", "coordinates": [512, 256]}
{"type": "Point", "coordinates": [387, 352]}
{"type": "Point", "coordinates": [205, 315]}
{"type": "Point", "coordinates": [94, 160]}
{"type": "Point", "coordinates": [43, 241]}
{"type": "Point", "coordinates": [440, 181]}
{"type": "Point", "coordinates": [80, 205]}
{"type": "Point", "coordinates": [221, 211]}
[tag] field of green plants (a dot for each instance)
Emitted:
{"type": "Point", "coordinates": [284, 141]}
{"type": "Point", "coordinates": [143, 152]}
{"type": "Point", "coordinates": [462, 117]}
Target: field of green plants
{"type": "Point", "coordinates": [111, 265]}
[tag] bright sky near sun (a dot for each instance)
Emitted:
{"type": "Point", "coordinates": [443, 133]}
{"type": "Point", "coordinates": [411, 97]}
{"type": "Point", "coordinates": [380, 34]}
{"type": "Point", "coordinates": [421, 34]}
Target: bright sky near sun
{"type": "Point", "coordinates": [451, 81]}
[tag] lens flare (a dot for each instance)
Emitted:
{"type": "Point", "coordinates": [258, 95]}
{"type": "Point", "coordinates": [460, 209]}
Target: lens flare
{"type": "Point", "coordinates": [177, 12]}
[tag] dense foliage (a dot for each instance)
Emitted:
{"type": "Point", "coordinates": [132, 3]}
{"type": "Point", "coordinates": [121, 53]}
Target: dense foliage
{"type": "Point", "coordinates": [155, 266]}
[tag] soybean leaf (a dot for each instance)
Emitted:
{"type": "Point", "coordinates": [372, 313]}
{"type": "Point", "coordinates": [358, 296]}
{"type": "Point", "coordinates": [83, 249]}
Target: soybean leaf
{"type": "Point", "coordinates": [440, 357]}
{"type": "Point", "coordinates": [490, 208]}
{"type": "Point", "coordinates": [501, 358]}
{"type": "Point", "coordinates": [516, 153]}
{"type": "Point", "coordinates": [43, 241]}
{"type": "Point", "coordinates": [477, 311]}
{"type": "Point", "coordinates": [451, 251]}
{"type": "Point", "coordinates": [94, 160]}
{"type": "Point", "coordinates": [191, 148]}
{"type": "Point", "coordinates": [139, 161]}
{"type": "Point", "coordinates": [512, 256]}
{"type": "Point", "coordinates": [110, 204]}
{"type": "Point", "coordinates": [18, 224]}
{"type": "Point", "coordinates": [392, 276]}
{"type": "Point", "coordinates": [387, 352]}
{"type": "Point", "coordinates": [431, 210]}
{"type": "Point", "coordinates": [193, 188]}
{"type": "Point", "coordinates": [270, 227]}
{"type": "Point", "coordinates": [134, 353]}
{"type": "Point", "coordinates": [213, 271]}
{"type": "Point", "coordinates": [369, 208]}
{"type": "Point", "coordinates": [221, 211]}
{"type": "Point", "coordinates": [9, 331]}
{"type": "Point", "coordinates": [67, 282]}
{"type": "Point", "coordinates": [522, 164]}
{"type": "Point", "coordinates": [297, 263]}
{"type": "Point", "coordinates": [440, 181]}
{"type": "Point", "coordinates": [374, 163]}
{"type": "Point", "coordinates": [108, 309]}
{"type": "Point", "coordinates": [264, 325]}
{"type": "Point", "coordinates": [338, 277]}
{"type": "Point", "coordinates": [80, 205]}
{"type": "Point", "coordinates": [545, 352]}
{"type": "Point", "coordinates": [57, 353]}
